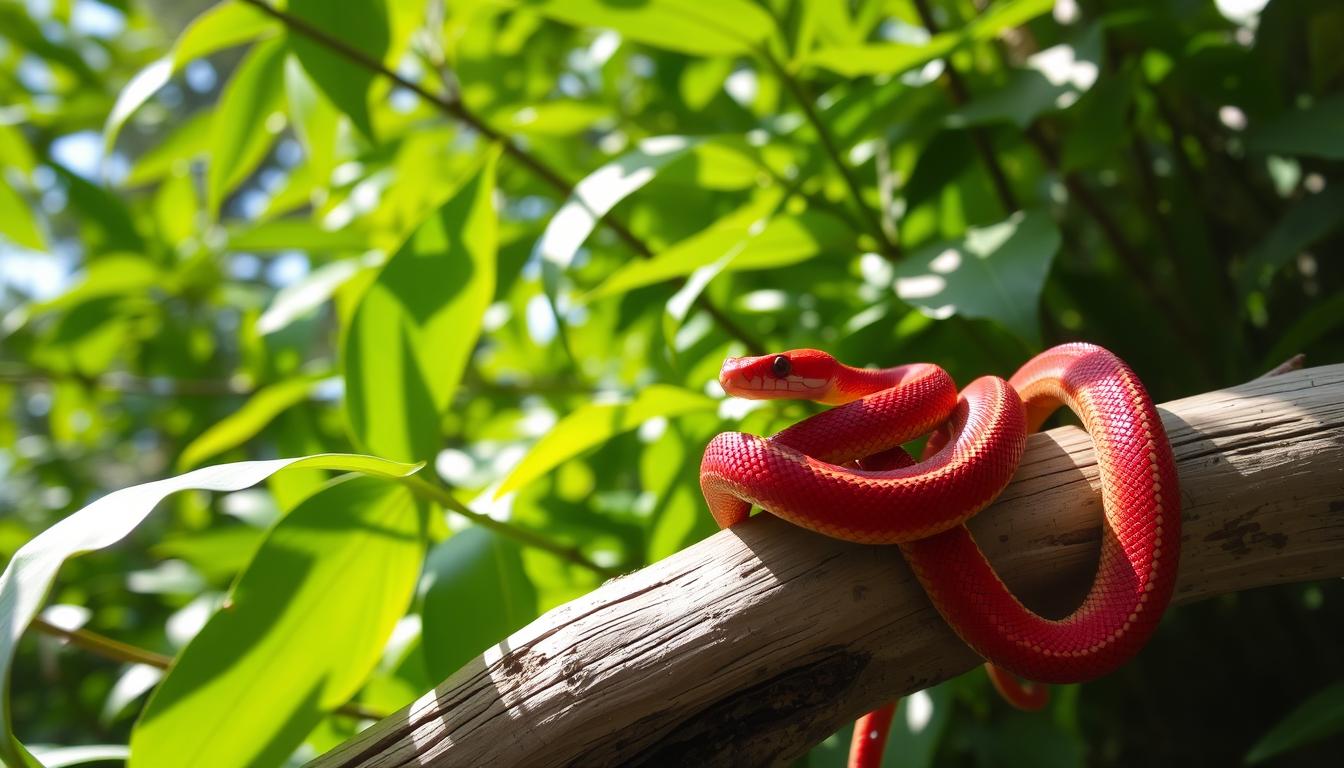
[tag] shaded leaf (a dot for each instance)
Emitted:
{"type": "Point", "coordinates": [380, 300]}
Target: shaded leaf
{"type": "Point", "coordinates": [360, 24]}
{"type": "Point", "coordinates": [304, 626]}
{"type": "Point", "coordinates": [474, 594]}
{"type": "Point", "coordinates": [30, 573]}
{"type": "Point", "coordinates": [1052, 79]}
{"type": "Point", "coordinates": [994, 272]}
{"type": "Point", "coordinates": [595, 423]}
{"type": "Point", "coordinates": [416, 326]}
{"type": "Point", "coordinates": [1314, 719]}
{"type": "Point", "coordinates": [242, 130]}
{"type": "Point", "coordinates": [1316, 131]}
{"type": "Point", "coordinates": [1306, 222]}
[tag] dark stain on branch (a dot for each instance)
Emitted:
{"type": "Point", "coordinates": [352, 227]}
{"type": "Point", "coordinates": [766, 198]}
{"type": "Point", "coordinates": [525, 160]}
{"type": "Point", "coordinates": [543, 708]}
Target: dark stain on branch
{"type": "Point", "coordinates": [779, 714]}
{"type": "Point", "coordinates": [1239, 535]}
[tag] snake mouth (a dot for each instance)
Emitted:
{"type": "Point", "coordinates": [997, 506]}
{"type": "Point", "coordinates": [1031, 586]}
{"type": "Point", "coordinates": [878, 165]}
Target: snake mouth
{"type": "Point", "coordinates": [761, 387]}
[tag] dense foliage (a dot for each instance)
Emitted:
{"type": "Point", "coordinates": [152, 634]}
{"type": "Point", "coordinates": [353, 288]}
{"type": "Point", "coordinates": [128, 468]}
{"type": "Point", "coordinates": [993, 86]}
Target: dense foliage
{"type": "Point", "coordinates": [514, 239]}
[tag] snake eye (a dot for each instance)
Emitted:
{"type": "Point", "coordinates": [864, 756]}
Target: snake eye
{"type": "Point", "coordinates": [781, 366]}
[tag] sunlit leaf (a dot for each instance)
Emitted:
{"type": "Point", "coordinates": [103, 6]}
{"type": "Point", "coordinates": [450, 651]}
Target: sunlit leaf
{"type": "Point", "coordinates": [303, 627]}
{"type": "Point", "coordinates": [686, 26]}
{"type": "Point", "coordinates": [360, 24]}
{"type": "Point", "coordinates": [16, 219]}
{"type": "Point", "coordinates": [243, 128]}
{"type": "Point", "coordinates": [994, 272]}
{"type": "Point", "coordinates": [307, 294]}
{"type": "Point", "coordinates": [244, 423]}
{"type": "Point", "coordinates": [59, 757]}
{"type": "Point", "coordinates": [29, 575]}
{"type": "Point", "coordinates": [189, 140]}
{"type": "Point", "coordinates": [220, 26]}
{"type": "Point", "coordinates": [474, 594]}
{"type": "Point", "coordinates": [416, 326]}
{"type": "Point", "coordinates": [595, 423]}
{"type": "Point", "coordinates": [895, 58]}
{"type": "Point", "coordinates": [296, 234]}
{"type": "Point", "coordinates": [600, 191]}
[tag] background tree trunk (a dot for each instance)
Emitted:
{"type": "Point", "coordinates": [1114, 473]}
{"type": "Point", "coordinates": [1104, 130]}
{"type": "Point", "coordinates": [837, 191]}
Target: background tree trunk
{"type": "Point", "coordinates": [755, 644]}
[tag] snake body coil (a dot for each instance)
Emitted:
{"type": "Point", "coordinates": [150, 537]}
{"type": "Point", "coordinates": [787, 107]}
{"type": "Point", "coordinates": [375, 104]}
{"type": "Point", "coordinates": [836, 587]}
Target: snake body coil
{"type": "Point", "coordinates": [842, 473]}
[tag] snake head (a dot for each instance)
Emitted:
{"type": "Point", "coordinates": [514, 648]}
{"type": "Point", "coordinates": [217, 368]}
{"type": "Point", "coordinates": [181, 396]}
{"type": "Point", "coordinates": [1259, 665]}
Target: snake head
{"type": "Point", "coordinates": [799, 374]}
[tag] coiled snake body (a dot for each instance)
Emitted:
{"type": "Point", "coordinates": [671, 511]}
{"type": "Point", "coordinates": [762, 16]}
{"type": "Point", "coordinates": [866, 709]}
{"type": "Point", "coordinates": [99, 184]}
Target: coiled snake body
{"type": "Point", "coordinates": [842, 473]}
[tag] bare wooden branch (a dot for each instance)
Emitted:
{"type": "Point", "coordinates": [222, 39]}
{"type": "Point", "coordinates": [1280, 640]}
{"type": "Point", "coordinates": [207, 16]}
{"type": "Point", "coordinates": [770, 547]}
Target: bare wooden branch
{"type": "Point", "coordinates": [751, 646]}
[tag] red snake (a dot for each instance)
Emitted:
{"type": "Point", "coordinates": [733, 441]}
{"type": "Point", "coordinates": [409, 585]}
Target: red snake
{"type": "Point", "coordinates": [842, 473]}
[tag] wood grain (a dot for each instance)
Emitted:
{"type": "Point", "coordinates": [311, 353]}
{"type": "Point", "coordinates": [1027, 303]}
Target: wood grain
{"type": "Point", "coordinates": [755, 644]}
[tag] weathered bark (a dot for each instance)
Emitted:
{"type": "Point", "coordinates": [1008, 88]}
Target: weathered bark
{"type": "Point", "coordinates": [753, 645]}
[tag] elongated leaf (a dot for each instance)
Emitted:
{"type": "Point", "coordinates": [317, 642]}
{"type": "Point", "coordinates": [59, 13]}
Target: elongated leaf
{"type": "Point", "coordinates": [994, 272]}
{"type": "Point", "coordinates": [360, 24]}
{"type": "Point", "coordinates": [596, 423]}
{"type": "Point", "coordinates": [220, 26]}
{"type": "Point", "coordinates": [1316, 131]}
{"type": "Point", "coordinates": [1305, 223]}
{"type": "Point", "coordinates": [305, 625]}
{"type": "Point", "coordinates": [294, 233]}
{"type": "Point", "coordinates": [895, 58]}
{"type": "Point", "coordinates": [300, 298]}
{"type": "Point", "coordinates": [106, 521]}
{"type": "Point", "coordinates": [1313, 720]}
{"type": "Point", "coordinates": [243, 424]}
{"type": "Point", "coordinates": [59, 757]}
{"type": "Point", "coordinates": [242, 131]}
{"type": "Point", "coordinates": [474, 594]}
{"type": "Point", "coordinates": [116, 274]}
{"type": "Point", "coordinates": [16, 219]}
{"type": "Point", "coordinates": [188, 141]}
{"type": "Point", "coordinates": [599, 192]}
{"type": "Point", "coordinates": [686, 26]}
{"type": "Point", "coordinates": [416, 327]}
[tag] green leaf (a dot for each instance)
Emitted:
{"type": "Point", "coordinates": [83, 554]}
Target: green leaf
{"type": "Point", "coordinates": [303, 296]}
{"type": "Point", "coordinates": [724, 27]}
{"type": "Point", "coordinates": [187, 142]}
{"type": "Point", "coordinates": [30, 573]}
{"type": "Point", "coordinates": [296, 234]}
{"type": "Point", "coordinates": [748, 236]}
{"type": "Point", "coordinates": [416, 327]}
{"type": "Point", "coordinates": [221, 26]}
{"type": "Point", "coordinates": [360, 24]}
{"type": "Point", "coordinates": [1316, 131]}
{"type": "Point", "coordinates": [596, 423]}
{"type": "Point", "coordinates": [1316, 718]}
{"type": "Point", "coordinates": [1052, 80]}
{"type": "Point", "coordinates": [304, 626]}
{"type": "Point", "coordinates": [243, 129]}
{"type": "Point", "coordinates": [994, 272]}
{"type": "Point", "coordinates": [895, 58]}
{"type": "Point", "coordinates": [16, 219]}
{"type": "Point", "coordinates": [59, 757]}
{"type": "Point", "coordinates": [246, 422]}
{"type": "Point", "coordinates": [1305, 223]}
{"type": "Point", "coordinates": [475, 593]}
{"type": "Point", "coordinates": [316, 119]}
{"type": "Point", "coordinates": [115, 274]}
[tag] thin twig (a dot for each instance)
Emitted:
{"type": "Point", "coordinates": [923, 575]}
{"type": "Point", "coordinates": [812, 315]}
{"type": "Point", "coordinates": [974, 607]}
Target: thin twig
{"type": "Point", "coordinates": [444, 498]}
{"type": "Point", "coordinates": [126, 383]}
{"type": "Point", "coordinates": [455, 109]}
{"type": "Point", "coordinates": [106, 647]}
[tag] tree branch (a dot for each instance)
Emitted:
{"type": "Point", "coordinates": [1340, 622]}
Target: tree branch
{"type": "Point", "coordinates": [455, 109]}
{"type": "Point", "coordinates": [755, 644]}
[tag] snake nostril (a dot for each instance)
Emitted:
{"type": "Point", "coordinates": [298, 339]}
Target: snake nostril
{"type": "Point", "coordinates": [781, 366]}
